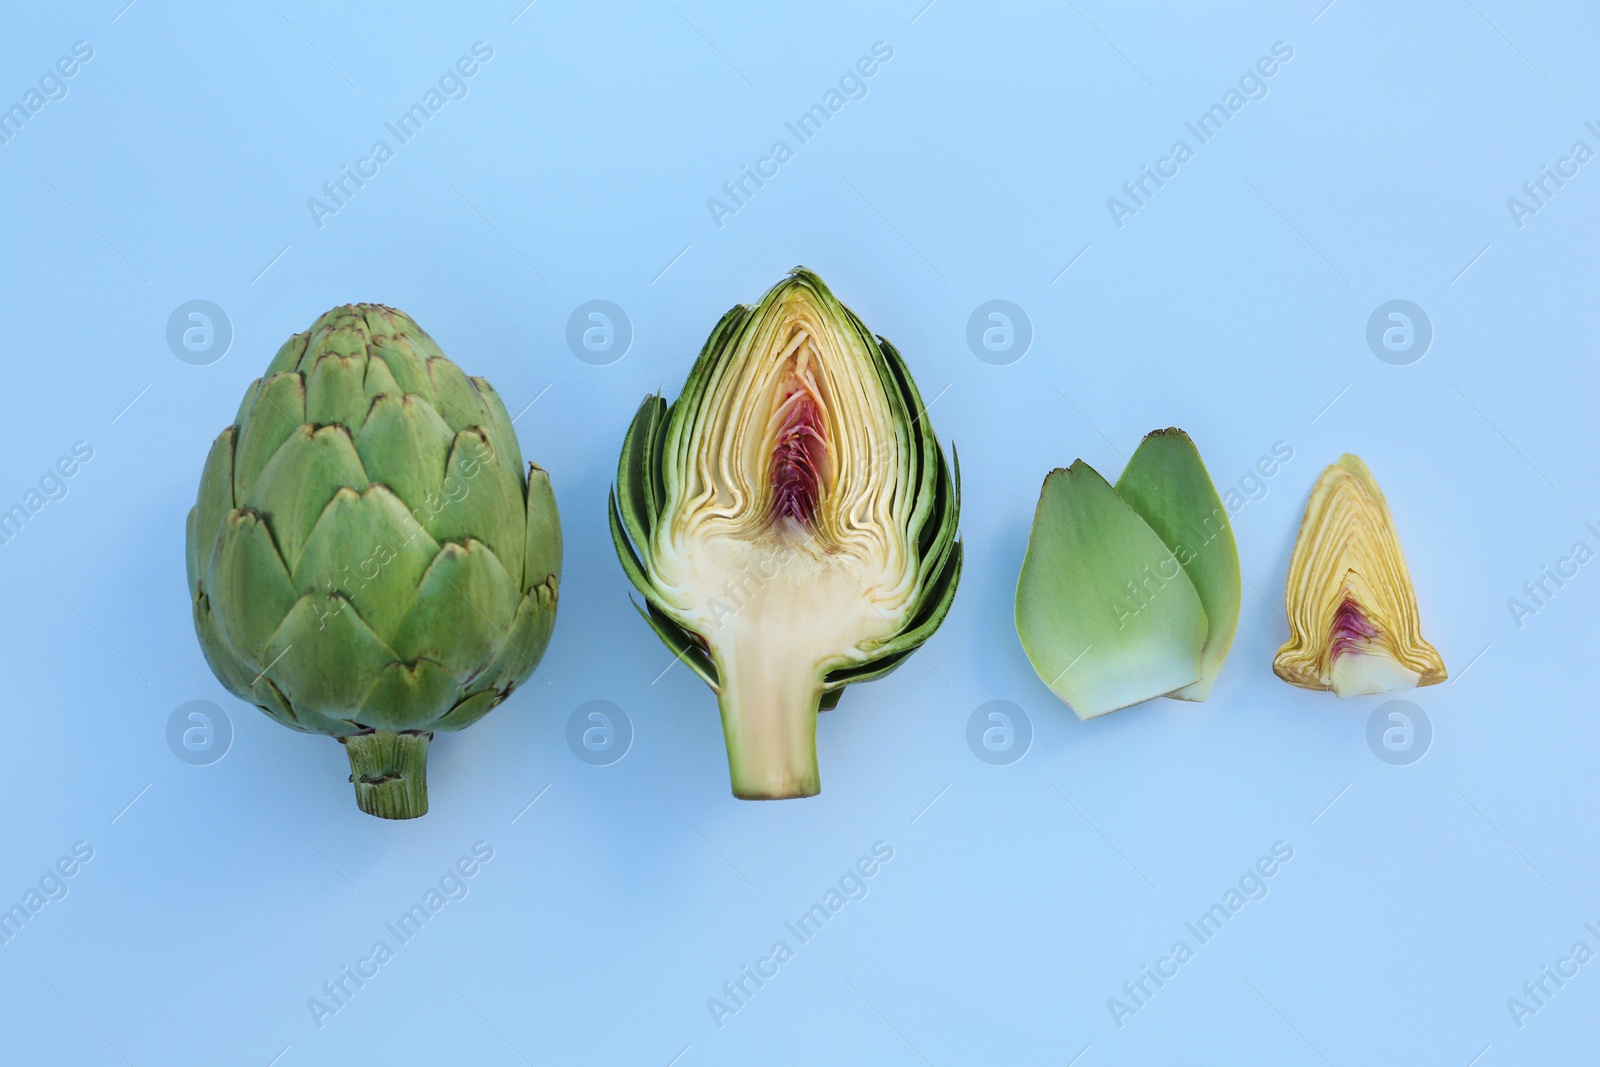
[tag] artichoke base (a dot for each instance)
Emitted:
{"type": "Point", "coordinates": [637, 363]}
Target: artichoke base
{"type": "Point", "coordinates": [390, 772]}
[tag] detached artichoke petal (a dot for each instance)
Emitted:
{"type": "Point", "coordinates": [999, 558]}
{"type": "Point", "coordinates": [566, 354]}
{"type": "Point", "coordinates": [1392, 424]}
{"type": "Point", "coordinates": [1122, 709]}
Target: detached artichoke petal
{"type": "Point", "coordinates": [1354, 627]}
{"type": "Point", "coordinates": [1167, 484]}
{"type": "Point", "coordinates": [1104, 610]}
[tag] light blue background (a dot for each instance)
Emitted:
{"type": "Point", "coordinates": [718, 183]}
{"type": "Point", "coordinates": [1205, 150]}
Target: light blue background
{"type": "Point", "coordinates": [977, 167]}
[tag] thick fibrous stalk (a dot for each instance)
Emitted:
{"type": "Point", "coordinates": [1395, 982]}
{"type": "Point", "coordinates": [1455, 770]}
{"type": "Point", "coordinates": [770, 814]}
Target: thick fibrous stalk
{"type": "Point", "coordinates": [390, 772]}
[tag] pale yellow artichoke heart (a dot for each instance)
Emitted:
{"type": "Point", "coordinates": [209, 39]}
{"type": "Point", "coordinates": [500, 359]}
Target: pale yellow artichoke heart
{"type": "Point", "coordinates": [1353, 621]}
{"type": "Point", "coordinates": [784, 594]}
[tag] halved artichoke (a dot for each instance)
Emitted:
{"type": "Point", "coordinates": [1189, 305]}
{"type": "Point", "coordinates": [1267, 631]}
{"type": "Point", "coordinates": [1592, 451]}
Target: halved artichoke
{"type": "Point", "coordinates": [790, 521]}
{"type": "Point", "coordinates": [366, 557]}
{"type": "Point", "coordinates": [1353, 621]}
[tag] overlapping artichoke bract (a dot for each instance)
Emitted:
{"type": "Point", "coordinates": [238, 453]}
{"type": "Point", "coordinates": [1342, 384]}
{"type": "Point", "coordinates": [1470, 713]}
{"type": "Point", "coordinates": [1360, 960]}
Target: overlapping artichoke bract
{"type": "Point", "coordinates": [366, 558]}
{"type": "Point", "coordinates": [791, 522]}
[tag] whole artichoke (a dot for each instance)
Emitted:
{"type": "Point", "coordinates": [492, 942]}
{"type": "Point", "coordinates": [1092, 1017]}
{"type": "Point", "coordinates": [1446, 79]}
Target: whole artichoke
{"type": "Point", "coordinates": [366, 559]}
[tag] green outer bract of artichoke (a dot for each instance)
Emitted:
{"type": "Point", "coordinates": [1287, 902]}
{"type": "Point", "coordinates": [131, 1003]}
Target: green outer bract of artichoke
{"type": "Point", "coordinates": [790, 521]}
{"type": "Point", "coordinates": [1166, 482]}
{"type": "Point", "coordinates": [366, 558]}
{"type": "Point", "coordinates": [1132, 592]}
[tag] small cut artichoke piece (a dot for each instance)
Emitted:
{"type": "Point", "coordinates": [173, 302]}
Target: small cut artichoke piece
{"type": "Point", "coordinates": [367, 558]}
{"type": "Point", "coordinates": [1353, 622]}
{"type": "Point", "coordinates": [790, 521]}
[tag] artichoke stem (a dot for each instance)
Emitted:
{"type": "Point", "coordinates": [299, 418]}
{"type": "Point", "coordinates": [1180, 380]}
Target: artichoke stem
{"type": "Point", "coordinates": [390, 772]}
{"type": "Point", "coordinates": [771, 732]}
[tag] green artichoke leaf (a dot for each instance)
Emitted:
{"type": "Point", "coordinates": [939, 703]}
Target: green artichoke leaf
{"type": "Point", "coordinates": [1166, 482]}
{"type": "Point", "coordinates": [459, 402]}
{"type": "Point", "coordinates": [279, 410]}
{"type": "Point", "coordinates": [405, 445]}
{"type": "Point", "coordinates": [405, 696]}
{"type": "Point", "coordinates": [378, 381]}
{"type": "Point", "coordinates": [250, 394]}
{"type": "Point", "coordinates": [249, 588]}
{"type": "Point", "coordinates": [497, 423]}
{"type": "Point", "coordinates": [211, 508]}
{"type": "Point", "coordinates": [790, 520]}
{"type": "Point", "coordinates": [681, 642]}
{"type": "Point", "coordinates": [483, 497]}
{"type": "Point", "coordinates": [461, 613]}
{"type": "Point", "coordinates": [370, 549]}
{"type": "Point", "coordinates": [294, 487]}
{"type": "Point", "coordinates": [1106, 614]}
{"type": "Point", "coordinates": [468, 711]}
{"type": "Point", "coordinates": [402, 365]}
{"type": "Point", "coordinates": [336, 390]}
{"type": "Point", "coordinates": [639, 494]}
{"type": "Point", "coordinates": [541, 559]}
{"type": "Point", "coordinates": [235, 675]}
{"type": "Point", "coordinates": [525, 643]}
{"type": "Point", "coordinates": [324, 658]}
{"type": "Point", "coordinates": [288, 356]}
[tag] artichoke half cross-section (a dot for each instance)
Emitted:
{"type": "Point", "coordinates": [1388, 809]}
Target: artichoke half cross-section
{"type": "Point", "coordinates": [790, 521]}
{"type": "Point", "coordinates": [366, 557]}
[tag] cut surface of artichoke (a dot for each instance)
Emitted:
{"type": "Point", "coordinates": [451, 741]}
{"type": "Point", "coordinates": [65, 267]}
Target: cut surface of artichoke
{"type": "Point", "coordinates": [1354, 627]}
{"type": "Point", "coordinates": [790, 521]}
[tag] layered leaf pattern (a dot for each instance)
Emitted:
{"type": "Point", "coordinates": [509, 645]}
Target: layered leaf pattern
{"type": "Point", "coordinates": [366, 552]}
{"type": "Point", "coordinates": [790, 521]}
